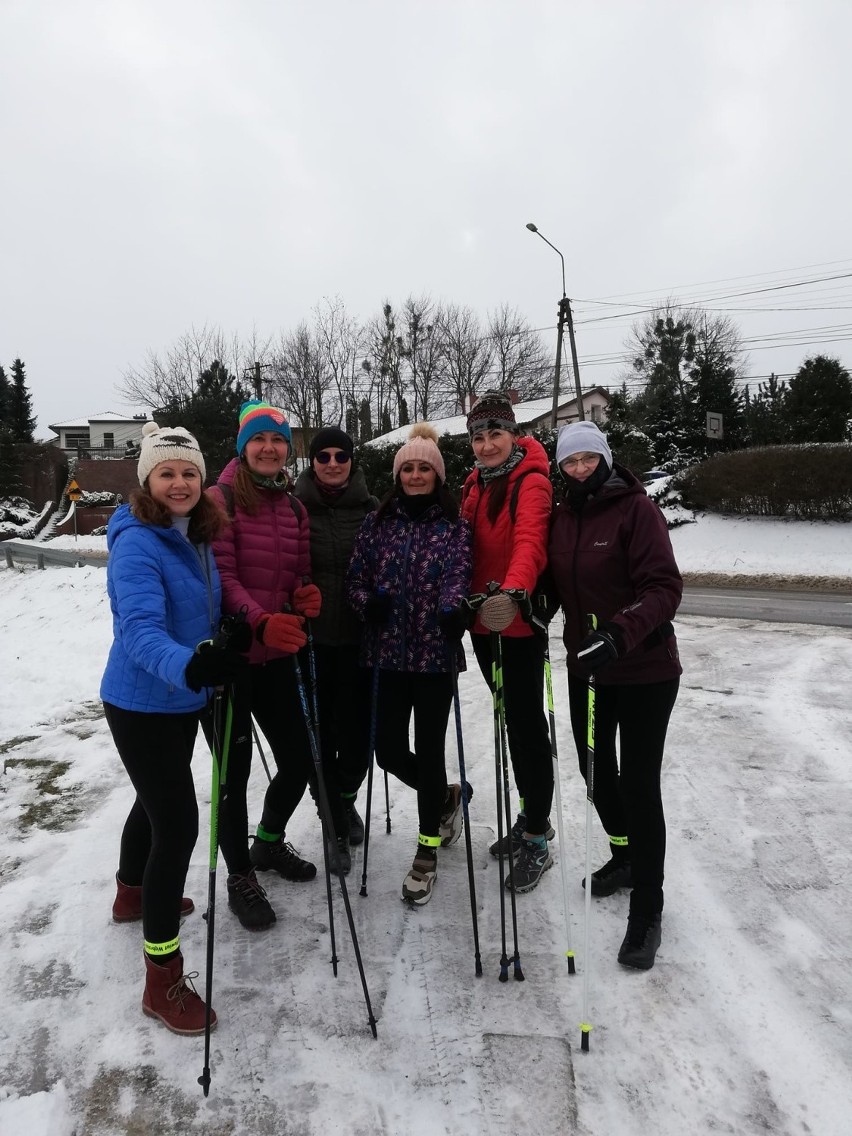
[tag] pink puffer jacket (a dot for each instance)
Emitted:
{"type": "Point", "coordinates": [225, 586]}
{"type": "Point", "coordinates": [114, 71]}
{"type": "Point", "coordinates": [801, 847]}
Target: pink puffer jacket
{"type": "Point", "coordinates": [261, 557]}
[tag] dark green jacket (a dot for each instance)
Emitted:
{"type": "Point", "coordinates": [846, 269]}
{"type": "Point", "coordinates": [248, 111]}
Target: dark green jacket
{"type": "Point", "coordinates": [334, 524]}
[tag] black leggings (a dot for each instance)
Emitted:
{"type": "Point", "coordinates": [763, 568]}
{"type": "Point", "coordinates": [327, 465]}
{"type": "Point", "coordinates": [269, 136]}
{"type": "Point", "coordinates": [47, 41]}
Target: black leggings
{"type": "Point", "coordinates": [271, 695]}
{"type": "Point", "coordinates": [344, 698]}
{"type": "Point", "coordinates": [162, 827]}
{"type": "Point", "coordinates": [629, 801]}
{"type": "Point", "coordinates": [428, 697]}
{"type": "Point", "coordinates": [526, 723]}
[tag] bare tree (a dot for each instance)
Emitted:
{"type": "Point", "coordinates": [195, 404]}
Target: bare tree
{"type": "Point", "coordinates": [300, 379]}
{"type": "Point", "coordinates": [339, 338]}
{"type": "Point", "coordinates": [466, 353]}
{"type": "Point", "coordinates": [172, 378]}
{"type": "Point", "coordinates": [385, 354]}
{"type": "Point", "coordinates": [421, 349]}
{"type": "Point", "coordinates": [519, 357]}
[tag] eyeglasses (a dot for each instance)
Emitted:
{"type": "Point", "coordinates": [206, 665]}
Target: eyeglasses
{"type": "Point", "coordinates": [341, 457]}
{"type": "Point", "coordinates": [586, 460]}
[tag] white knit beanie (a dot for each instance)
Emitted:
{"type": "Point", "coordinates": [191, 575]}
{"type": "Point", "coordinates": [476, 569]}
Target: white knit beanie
{"type": "Point", "coordinates": [421, 446]}
{"type": "Point", "coordinates": [167, 443]}
{"type": "Point", "coordinates": [582, 438]}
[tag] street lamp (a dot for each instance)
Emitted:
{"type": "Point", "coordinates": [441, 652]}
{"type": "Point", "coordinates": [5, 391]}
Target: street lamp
{"type": "Point", "coordinates": [565, 317]}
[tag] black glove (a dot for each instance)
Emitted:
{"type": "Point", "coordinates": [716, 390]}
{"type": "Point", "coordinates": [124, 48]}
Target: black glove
{"type": "Point", "coordinates": [234, 634]}
{"type": "Point", "coordinates": [377, 609]}
{"type": "Point", "coordinates": [522, 598]}
{"type": "Point", "coordinates": [453, 622]}
{"type": "Point", "coordinates": [601, 647]}
{"type": "Point", "coordinates": [213, 666]}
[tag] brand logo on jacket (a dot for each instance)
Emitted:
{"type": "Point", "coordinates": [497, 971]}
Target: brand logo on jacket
{"type": "Point", "coordinates": [601, 543]}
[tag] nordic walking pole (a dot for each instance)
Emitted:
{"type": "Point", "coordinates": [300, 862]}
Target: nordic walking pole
{"type": "Point", "coordinates": [504, 960]}
{"type": "Point", "coordinates": [586, 1025]}
{"type": "Point", "coordinates": [312, 726]}
{"type": "Point", "coordinates": [387, 806]}
{"type": "Point", "coordinates": [221, 745]}
{"type": "Point", "coordinates": [563, 861]}
{"type": "Point", "coordinates": [374, 705]}
{"type": "Point", "coordinates": [497, 647]}
{"type": "Point", "coordinates": [223, 703]}
{"type": "Point", "coordinates": [454, 671]}
{"type": "Point", "coordinates": [260, 749]}
{"type": "Point", "coordinates": [328, 826]}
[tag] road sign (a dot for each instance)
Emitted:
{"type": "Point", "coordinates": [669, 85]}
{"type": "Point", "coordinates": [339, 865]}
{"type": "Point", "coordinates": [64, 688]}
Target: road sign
{"type": "Point", "coordinates": [74, 492]}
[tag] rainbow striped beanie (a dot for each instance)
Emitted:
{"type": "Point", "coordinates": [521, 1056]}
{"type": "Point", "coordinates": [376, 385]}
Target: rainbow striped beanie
{"type": "Point", "coordinates": [257, 416]}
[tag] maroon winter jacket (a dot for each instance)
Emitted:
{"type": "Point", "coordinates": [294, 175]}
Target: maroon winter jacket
{"type": "Point", "coordinates": [261, 557]}
{"type": "Point", "coordinates": [614, 559]}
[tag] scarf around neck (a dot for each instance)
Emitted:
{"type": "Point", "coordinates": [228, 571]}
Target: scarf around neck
{"type": "Point", "coordinates": [516, 456]}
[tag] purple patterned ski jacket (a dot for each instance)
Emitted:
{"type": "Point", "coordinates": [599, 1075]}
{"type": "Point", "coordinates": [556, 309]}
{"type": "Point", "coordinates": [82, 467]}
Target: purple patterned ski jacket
{"type": "Point", "coordinates": [424, 564]}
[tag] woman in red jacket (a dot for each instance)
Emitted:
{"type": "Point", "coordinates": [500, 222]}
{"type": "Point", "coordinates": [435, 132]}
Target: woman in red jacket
{"type": "Point", "coordinates": [263, 557]}
{"type": "Point", "coordinates": [507, 500]}
{"type": "Point", "coordinates": [610, 556]}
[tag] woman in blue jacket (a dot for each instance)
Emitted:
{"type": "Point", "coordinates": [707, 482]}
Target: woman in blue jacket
{"type": "Point", "coordinates": [165, 598]}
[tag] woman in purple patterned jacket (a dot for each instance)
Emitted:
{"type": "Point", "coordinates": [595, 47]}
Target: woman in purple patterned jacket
{"type": "Point", "coordinates": [408, 580]}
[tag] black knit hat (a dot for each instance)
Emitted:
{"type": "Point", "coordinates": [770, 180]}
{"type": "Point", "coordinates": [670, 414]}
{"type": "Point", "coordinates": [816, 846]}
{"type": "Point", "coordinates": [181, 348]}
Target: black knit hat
{"type": "Point", "coordinates": [328, 438]}
{"type": "Point", "coordinates": [492, 411]}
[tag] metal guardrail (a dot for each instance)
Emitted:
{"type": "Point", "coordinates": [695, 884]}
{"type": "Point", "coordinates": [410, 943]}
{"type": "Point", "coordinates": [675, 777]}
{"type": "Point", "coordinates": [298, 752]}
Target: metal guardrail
{"type": "Point", "coordinates": [43, 555]}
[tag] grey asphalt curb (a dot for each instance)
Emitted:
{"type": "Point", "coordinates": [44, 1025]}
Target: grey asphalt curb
{"type": "Point", "coordinates": [770, 582]}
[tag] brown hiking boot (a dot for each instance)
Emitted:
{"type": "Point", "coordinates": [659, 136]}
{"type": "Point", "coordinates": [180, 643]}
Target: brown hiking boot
{"type": "Point", "coordinates": [127, 906]}
{"type": "Point", "coordinates": [171, 997]}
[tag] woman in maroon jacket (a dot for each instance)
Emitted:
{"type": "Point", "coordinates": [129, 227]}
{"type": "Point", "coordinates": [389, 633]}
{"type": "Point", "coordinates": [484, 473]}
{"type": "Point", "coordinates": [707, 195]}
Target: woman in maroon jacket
{"type": "Point", "coordinates": [263, 556]}
{"type": "Point", "coordinates": [611, 557]}
{"type": "Point", "coordinates": [507, 500]}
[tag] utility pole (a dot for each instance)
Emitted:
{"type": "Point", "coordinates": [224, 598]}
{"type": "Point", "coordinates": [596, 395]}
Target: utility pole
{"type": "Point", "coordinates": [258, 367]}
{"type": "Point", "coordinates": [564, 317]}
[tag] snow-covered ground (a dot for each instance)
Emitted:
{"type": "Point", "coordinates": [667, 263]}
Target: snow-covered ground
{"type": "Point", "coordinates": [744, 1025]}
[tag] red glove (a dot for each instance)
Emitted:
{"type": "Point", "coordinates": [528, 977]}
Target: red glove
{"type": "Point", "coordinates": [307, 601]}
{"type": "Point", "coordinates": [282, 631]}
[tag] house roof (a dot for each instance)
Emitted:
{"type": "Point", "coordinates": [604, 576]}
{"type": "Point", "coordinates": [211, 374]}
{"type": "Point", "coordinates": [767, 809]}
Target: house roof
{"type": "Point", "coordinates": [104, 416]}
{"type": "Point", "coordinates": [525, 412]}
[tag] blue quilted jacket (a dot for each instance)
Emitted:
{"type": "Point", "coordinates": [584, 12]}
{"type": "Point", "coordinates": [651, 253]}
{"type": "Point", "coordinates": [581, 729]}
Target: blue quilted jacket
{"type": "Point", "coordinates": [424, 565]}
{"type": "Point", "coordinates": [165, 597]}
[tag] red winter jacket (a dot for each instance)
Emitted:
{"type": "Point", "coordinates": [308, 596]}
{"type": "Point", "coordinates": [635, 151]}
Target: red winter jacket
{"type": "Point", "coordinates": [614, 559]}
{"type": "Point", "coordinates": [512, 553]}
{"type": "Point", "coordinates": [261, 557]}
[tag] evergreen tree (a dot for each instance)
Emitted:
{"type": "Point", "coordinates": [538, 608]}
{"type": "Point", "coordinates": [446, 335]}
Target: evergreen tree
{"type": "Point", "coordinates": [630, 445]}
{"type": "Point", "coordinates": [5, 394]}
{"type": "Point", "coordinates": [210, 413]}
{"type": "Point", "coordinates": [765, 422]}
{"type": "Point", "coordinates": [19, 414]}
{"type": "Point", "coordinates": [818, 402]}
{"type": "Point", "coordinates": [665, 352]}
{"type": "Point", "coordinates": [713, 377]}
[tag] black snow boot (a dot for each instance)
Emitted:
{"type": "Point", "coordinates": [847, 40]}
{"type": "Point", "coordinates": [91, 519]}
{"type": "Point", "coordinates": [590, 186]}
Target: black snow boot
{"type": "Point", "coordinates": [278, 856]}
{"type": "Point", "coordinates": [247, 900]}
{"type": "Point", "coordinates": [339, 848]}
{"type": "Point", "coordinates": [616, 873]}
{"type": "Point", "coordinates": [356, 825]}
{"type": "Point", "coordinates": [642, 941]}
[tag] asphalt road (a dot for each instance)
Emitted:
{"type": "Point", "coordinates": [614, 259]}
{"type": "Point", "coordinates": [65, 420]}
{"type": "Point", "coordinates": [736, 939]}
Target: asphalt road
{"type": "Point", "coordinates": [828, 609]}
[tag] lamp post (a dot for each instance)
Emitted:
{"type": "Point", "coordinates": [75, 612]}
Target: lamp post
{"type": "Point", "coordinates": [565, 317]}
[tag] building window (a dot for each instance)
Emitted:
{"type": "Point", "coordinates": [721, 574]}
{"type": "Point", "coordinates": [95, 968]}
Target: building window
{"type": "Point", "coordinates": [77, 440]}
{"type": "Point", "coordinates": [109, 441]}
{"type": "Point", "coordinates": [597, 413]}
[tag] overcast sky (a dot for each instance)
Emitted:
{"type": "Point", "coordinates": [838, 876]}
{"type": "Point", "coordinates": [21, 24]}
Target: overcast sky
{"type": "Point", "coordinates": [188, 163]}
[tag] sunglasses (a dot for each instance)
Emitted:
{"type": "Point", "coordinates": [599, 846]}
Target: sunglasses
{"type": "Point", "coordinates": [340, 457]}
